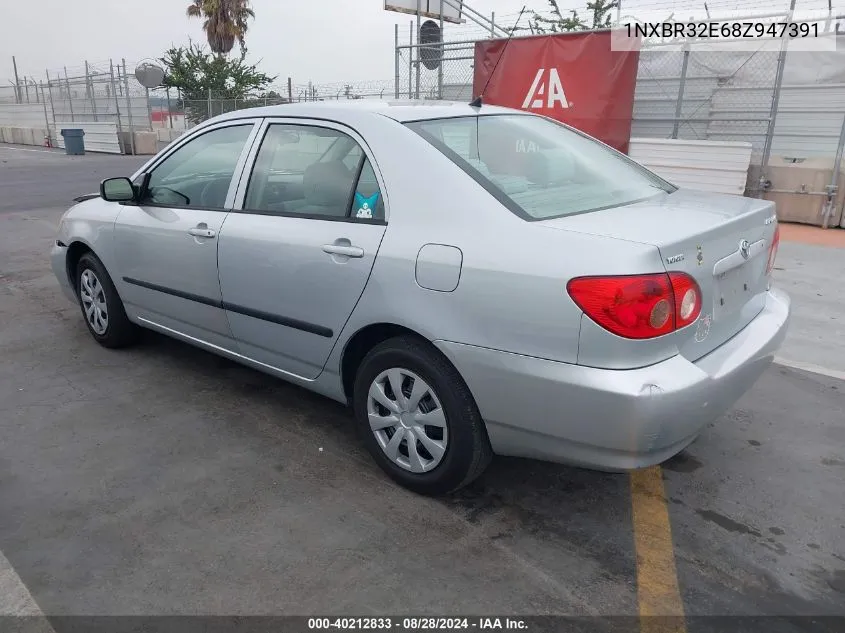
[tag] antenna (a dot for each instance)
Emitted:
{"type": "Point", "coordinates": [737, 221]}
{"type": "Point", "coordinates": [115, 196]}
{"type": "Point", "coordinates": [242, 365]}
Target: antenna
{"type": "Point", "coordinates": [476, 103]}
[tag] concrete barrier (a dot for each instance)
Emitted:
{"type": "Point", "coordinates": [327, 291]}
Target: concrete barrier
{"type": "Point", "coordinates": [146, 143]}
{"type": "Point", "coordinates": [167, 136]}
{"type": "Point", "coordinates": [22, 135]}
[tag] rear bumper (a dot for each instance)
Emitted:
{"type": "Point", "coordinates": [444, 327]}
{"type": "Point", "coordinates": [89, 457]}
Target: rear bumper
{"type": "Point", "coordinates": [615, 419]}
{"type": "Point", "coordinates": [58, 262]}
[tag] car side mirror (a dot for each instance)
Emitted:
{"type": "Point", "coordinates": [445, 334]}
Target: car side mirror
{"type": "Point", "coordinates": [117, 190]}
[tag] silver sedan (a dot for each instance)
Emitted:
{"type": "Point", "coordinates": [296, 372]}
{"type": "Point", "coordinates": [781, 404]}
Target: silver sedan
{"type": "Point", "coordinates": [470, 281]}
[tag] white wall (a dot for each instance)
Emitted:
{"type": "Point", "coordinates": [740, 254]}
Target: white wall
{"type": "Point", "coordinates": [22, 115]}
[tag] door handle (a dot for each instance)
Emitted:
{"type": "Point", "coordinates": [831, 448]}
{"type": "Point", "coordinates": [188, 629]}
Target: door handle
{"type": "Point", "coordinates": [348, 251]}
{"type": "Point", "coordinates": [198, 232]}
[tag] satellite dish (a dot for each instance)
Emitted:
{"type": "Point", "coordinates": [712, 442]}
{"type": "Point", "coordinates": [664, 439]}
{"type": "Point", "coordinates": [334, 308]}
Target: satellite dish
{"type": "Point", "coordinates": [430, 34]}
{"type": "Point", "coordinates": [149, 75]}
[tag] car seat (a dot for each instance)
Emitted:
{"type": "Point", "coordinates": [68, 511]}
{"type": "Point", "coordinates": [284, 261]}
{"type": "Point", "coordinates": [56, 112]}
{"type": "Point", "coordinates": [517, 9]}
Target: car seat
{"type": "Point", "coordinates": [327, 187]}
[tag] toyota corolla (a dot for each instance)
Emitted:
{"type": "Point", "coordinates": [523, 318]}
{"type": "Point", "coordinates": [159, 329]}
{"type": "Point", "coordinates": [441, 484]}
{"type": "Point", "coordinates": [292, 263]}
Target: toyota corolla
{"type": "Point", "coordinates": [471, 281]}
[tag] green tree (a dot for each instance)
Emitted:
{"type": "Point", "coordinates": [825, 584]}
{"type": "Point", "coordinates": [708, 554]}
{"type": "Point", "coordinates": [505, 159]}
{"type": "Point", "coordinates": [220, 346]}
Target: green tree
{"type": "Point", "coordinates": [225, 21]}
{"type": "Point", "coordinates": [600, 10]}
{"type": "Point", "coordinates": [201, 77]}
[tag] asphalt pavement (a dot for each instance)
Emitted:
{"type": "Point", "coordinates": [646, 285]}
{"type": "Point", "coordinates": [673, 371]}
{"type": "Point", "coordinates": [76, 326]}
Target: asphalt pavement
{"type": "Point", "coordinates": [165, 480]}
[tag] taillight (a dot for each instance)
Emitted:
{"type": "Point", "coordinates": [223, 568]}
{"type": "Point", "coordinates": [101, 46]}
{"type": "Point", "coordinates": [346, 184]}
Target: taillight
{"type": "Point", "coordinates": [687, 299]}
{"type": "Point", "coordinates": [773, 250]}
{"type": "Point", "coordinates": [638, 306]}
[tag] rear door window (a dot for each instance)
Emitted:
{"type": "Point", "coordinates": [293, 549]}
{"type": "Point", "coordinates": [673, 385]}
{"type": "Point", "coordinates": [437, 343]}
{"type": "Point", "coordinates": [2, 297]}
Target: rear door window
{"type": "Point", "coordinates": [312, 171]}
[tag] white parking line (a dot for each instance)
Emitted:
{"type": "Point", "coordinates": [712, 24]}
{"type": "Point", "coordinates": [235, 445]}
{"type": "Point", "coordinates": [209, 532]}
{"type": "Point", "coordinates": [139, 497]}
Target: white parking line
{"type": "Point", "coordinates": [23, 149]}
{"type": "Point", "coordinates": [814, 369]}
{"type": "Point", "coordinates": [16, 601]}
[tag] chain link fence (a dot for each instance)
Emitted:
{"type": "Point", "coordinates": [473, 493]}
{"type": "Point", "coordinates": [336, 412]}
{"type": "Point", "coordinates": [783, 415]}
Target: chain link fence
{"type": "Point", "coordinates": [435, 72]}
{"type": "Point", "coordinates": [705, 95]}
{"type": "Point", "coordinates": [788, 105]}
{"type": "Point", "coordinates": [105, 98]}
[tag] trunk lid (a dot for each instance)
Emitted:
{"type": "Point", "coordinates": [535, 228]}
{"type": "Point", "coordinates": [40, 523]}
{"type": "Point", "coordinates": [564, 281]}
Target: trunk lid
{"type": "Point", "coordinates": [707, 236]}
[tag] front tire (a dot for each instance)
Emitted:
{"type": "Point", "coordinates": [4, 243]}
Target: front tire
{"type": "Point", "coordinates": [418, 418]}
{"type": "Point", "coordinates": [101, 306]}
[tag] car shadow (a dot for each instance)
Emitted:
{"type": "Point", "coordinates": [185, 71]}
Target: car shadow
{"type": "Point", "coordinates": [521, 502]}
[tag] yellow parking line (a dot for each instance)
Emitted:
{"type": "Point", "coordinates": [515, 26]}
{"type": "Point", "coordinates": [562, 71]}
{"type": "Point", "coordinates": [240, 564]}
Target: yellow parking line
{"type": "Point", "coordinates": [660, 605]}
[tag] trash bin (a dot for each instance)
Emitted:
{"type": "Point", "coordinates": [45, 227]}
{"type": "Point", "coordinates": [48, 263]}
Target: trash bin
{"type": "Point", "coordinates": [74, 142]}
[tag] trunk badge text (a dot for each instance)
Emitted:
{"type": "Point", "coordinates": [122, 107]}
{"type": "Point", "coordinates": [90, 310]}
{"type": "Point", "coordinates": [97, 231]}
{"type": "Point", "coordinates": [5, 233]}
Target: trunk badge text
{"type": "Point", "coordinates": [675, 259]}
{"type": "Point", "coordinates": [700, 256]}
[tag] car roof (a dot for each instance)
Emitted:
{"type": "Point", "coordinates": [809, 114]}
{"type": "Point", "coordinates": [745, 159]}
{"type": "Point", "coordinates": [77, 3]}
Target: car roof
{"type": "Point", "coordinates": [398, 110]}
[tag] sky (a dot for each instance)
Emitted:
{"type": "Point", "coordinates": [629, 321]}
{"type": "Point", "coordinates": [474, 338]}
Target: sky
{"type": "Point", "coordinates": [323, 41]}
{"type": "Point", "coordinates": [309, 40]}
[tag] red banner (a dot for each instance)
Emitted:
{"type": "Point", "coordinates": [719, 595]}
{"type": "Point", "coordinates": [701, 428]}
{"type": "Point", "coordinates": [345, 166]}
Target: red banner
{"type": "Point", "coordinates": [573, 77]}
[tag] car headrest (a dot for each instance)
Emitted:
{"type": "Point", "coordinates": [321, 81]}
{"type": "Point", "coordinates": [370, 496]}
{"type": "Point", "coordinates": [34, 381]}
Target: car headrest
{"type": "Point", "coordinates": [550, 167]}
{"type": "Point", "coordinates": [328, 184]}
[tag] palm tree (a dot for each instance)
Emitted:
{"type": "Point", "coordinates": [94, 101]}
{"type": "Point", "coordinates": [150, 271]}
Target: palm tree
{"type": "Point", "coordinates": [225, 22]}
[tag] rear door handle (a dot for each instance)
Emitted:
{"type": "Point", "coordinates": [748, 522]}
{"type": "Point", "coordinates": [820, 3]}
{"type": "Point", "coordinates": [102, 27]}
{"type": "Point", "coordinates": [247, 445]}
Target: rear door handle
{"type": "Point", "coordinates": [197, 232]}
{"type": "Point", "coordinates": [348, 251]}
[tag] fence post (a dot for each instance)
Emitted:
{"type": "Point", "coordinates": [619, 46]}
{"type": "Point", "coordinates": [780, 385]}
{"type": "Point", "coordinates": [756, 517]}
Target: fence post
{"type": "Point", "coordinates": [169, 109]}
{"type": "Point", "coordinates": [396, 60]}
{"type": "Point", "coordinates": [681, 87]}
{"type": "Point", "coordinates": [69, 96]}
{"type": "Point", "coordinates": [149, 109]}
{"type": "Point", "coordinates": [129, 108]}
{"type": "Point", "coordinates": [290, 90]}
{"type": "Point", "coordinates": [411, 60]}
{"type": "Point", "coordinates": [17, 81]}
{"type": "Point", "coordinates": [46, 116]}
{"type": "Point", "coordinates": [764, 183]}
{"type": "Point", "coordinates": [442, 55]}
{"type": "Point", "coordinates": [113, 89]}
{"type": "Point", "coordinates": [209, 103]}
{"type": "Point", "coordinates": [89, 88]}
{"type": "Point", "coordinates": [833, 188]}
{"type": "Point", "coordinates": [54, 131]}
{"type": "Point", "coordinates": [419, 17]}
{"type": "Point", "coordinates": [87, 85]}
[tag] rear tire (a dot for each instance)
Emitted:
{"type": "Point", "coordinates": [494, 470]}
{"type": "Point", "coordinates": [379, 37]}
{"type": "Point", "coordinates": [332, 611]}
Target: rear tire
{"type": "Point", "coordinates": [102, 308]}
{"type": "Point", "coordinates": [442, 444]}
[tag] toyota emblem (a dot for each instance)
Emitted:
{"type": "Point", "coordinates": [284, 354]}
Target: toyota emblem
{"type": "Point", "coordinates": [744, 249]}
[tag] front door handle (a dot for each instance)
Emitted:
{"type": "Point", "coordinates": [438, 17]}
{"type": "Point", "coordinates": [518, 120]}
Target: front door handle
{"type": "Point", "coordinates": [202, 232]}
{"type": "Point", "coordinates": [338, 249]}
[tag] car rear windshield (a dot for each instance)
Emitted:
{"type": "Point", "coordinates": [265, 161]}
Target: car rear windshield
{"type": "Point", "coordinates": [539, 168]}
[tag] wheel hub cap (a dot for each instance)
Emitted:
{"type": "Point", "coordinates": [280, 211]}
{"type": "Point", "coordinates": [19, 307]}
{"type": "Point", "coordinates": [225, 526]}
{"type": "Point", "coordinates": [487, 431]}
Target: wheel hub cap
{"type": "Point", "coordinates": [407, 420]}
{"type": "Point", "coordinates": [93, 301]}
